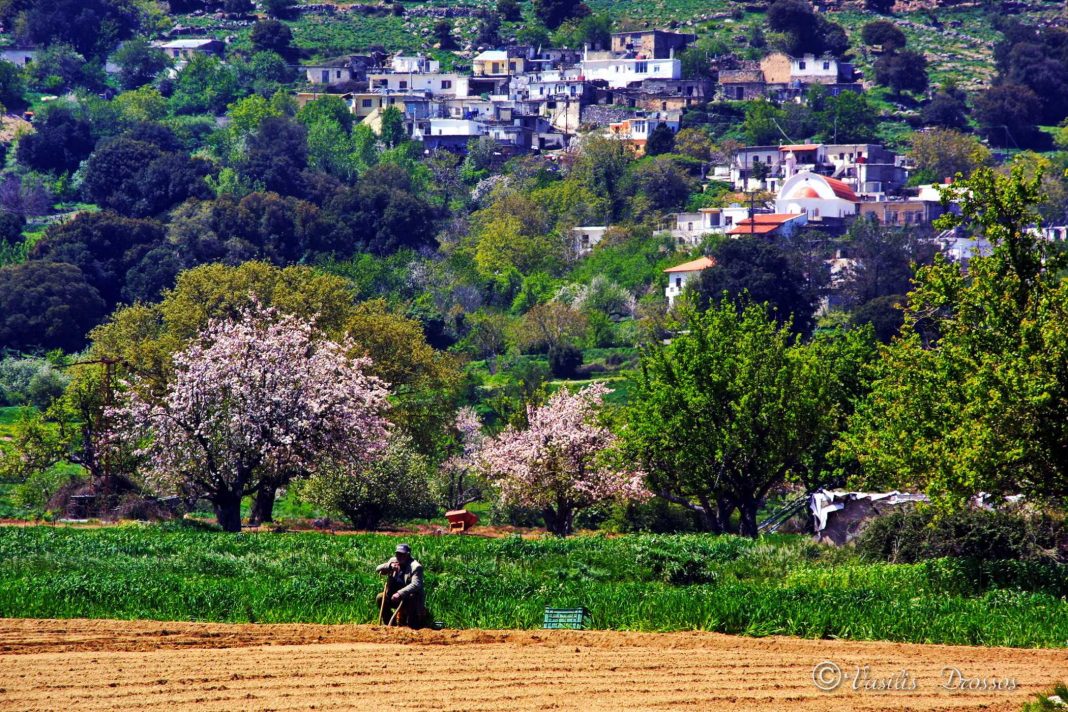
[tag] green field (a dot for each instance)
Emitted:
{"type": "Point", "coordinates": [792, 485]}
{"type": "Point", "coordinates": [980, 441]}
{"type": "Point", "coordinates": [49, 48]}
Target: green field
{"type": "Point", "coordinates": [778, 585]}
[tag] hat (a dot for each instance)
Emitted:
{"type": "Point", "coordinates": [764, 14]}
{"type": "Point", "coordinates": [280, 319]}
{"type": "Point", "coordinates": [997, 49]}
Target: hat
{"type": "Point", "coordinates": [403, 549]}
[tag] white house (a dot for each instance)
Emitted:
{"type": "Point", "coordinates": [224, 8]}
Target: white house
{"type": "Point", "coordinates": [635, 132]}
{"type": "Point", "coordinates": [188, 48]}
{"type": "Point", "coordinates": [681, 275]}
{"type": "Point", "coordinates": [811, 69]}
{"type": "Point", "coordinates": [417, 64]}
{"type": "Point", "coordinates": [620, 72]}
{"type": "Point", "coordinates": [334, 71]}
{"type": "Point", "coordinates": [432, 83]}
{"type": "Point", "coordinates": [819, 197]}
{"type": "Point", "coordinates": [691, 228]}
{"type": "Point", "coordinates": [497, 63]}
{"type": "Point", "coordinates": [586, 237]}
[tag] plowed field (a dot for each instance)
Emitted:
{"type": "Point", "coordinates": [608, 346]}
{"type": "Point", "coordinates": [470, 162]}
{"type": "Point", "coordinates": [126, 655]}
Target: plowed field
{"type": "Point", "coordinates": [144, 665]}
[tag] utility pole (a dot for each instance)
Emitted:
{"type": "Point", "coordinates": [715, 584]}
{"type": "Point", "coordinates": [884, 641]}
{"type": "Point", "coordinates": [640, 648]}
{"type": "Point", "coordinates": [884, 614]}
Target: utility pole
{"type": "Point", "coordinates": [752, 213]}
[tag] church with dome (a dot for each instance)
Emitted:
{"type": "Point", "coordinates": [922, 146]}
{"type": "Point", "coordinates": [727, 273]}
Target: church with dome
{"type": "Point", "coordinates": [822, 199]}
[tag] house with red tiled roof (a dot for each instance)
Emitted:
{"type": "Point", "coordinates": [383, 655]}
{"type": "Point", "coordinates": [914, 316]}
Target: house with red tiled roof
{"type": "Point", "coordinates": [821, 198]}
{"type": "Point", "coordinates": [770, 225]}
{"type": "Point", "coordinates": [681, 275]}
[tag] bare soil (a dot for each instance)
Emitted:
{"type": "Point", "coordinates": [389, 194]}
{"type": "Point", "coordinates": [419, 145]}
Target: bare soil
{"type": "Point", "coordinates": [122, 665]}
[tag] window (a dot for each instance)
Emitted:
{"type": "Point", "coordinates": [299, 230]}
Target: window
{"type": "Point", "coordinates": [403, 85]}
{"type": "Point", "coordinates": [339, 74]}
{"type": "Point", "coordinates": [446, 84]}
{"type": "Point", "coordinates": [800, 65]}
{"type": "Point", "coordinates": [678, 283]}
{"type": "Point", "coordinates": [826, 65]}
{"type": "Point", "coordinates": [326, 76]}
{"type": "Point", "coordinates": [641, 67]}
{"type": "Point", "coordinates": [177, 53]}
{"type": "Point", "coordinates": [366, 103]}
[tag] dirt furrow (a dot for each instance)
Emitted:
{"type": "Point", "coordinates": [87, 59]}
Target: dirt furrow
{"type": "Point", "coordinates": [116, 665]}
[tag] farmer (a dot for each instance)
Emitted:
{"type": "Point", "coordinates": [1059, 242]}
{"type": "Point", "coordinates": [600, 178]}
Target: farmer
{"type": "Point", "coordinates": [404, 589]}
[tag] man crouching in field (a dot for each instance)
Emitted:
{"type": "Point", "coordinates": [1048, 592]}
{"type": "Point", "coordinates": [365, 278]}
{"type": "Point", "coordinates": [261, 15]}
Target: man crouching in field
{"type": "Point", "coordinates": [404, 589]}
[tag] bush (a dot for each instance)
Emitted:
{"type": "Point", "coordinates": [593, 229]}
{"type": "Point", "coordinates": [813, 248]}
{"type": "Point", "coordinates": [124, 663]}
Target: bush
{"type": "Point", "coordinates": [564, 361]}
{"type": "Point", "coordinates": [676, 564]}
{"type": "Point", "coordinates": [394, 487]}
{"type": "Point", "coordinates": [41, 486]}
{"type": "Point", "coordinates": [30, 381]}
{"type": "Point", "coordinates": [917, 535]}
{"type": "Point", "coordinates": [657, 515]}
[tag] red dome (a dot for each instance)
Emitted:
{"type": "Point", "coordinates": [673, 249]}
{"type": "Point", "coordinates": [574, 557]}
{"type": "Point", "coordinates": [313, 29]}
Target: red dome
{"type": "Point", "coordinates": [806, 192]}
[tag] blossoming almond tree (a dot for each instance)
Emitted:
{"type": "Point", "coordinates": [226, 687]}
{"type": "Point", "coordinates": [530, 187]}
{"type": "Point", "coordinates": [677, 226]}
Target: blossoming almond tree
{"type": "Point", "coordinates": [260, 398]}
{"type": "Point", "coordinates": [563, 462]}
{"type": "Point", "coordinates": [458, 482]}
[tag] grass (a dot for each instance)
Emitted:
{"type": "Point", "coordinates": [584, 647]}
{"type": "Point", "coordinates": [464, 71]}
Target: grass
{"type": "Point", "coordinates": [779, 585]}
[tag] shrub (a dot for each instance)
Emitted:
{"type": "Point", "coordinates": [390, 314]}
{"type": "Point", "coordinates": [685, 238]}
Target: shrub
{"type": "Point", "coordinates": [657, 515]}
{"type": "Point", "coordinates": [393, 487]}
{"type": "Point", "coordinates": [908, 537]}
{"type": "Point", "coordinates": [564, 360]}
{"type": "Point", "coordinates": [41, 486]}
{"type": "Point", "coordinates": [30, 381]}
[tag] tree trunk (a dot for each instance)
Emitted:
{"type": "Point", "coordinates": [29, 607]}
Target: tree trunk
{"type": "Point", "coordinates": [747, 508]}
{"type": "Point", "coordinates": [559, 521]}
{"type": "Point", "coordinates": [709, 519]}
{"type": "Point", "coordinates": [228, 511]}
{"type": "Point", "coordinates": [263, 505]}
{"type": "Point", "coordinates": [726, 507]}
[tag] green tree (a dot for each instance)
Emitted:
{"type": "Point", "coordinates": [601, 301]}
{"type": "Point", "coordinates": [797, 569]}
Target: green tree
{"type": "Point", "coordinates": [762, 123]}
{"type": "Point", "coordinates": [138, 179]}
{"type": "Point", "coordinates": [1008, 116]}
{"type": "Point", "coordinates": [392, 488]}
{"type": "Point", "coordinates": [661, 140]}
{"type": "Point", "coordinates": [139, 63]}
{"type": "Point", "coordinates": [947, 109]}
{"type": "Point", "coordinates": [271, 36]}
{"type": "Point", "coordinates": [553, 13]}
{"type": "Point", "coordinates": [848, 118]}
{"type": "Point", "coordinates": [204, 85]}
{"type": "Point", "coordinates": [326, 108]}
{"type": "Point", "coordinates": [12, 87]}
{"type": "Point", "coordinates": [943, 153]}
{"type": "Point", "coordinates": [754, 270]}
{"type": "Point", "coordinates": [62, 140]}
{"type": "Point", "coordinates": [885, 34]}
{"type": "Point", "coordinates": [902, 71]}
{"type": "Point", "coordinates": [973, 396]}
{"type": "Point", "coordinates": [141, 104]}
{"type": "Point", "coordinates": [46, 305]}
{"type": "Point", "coordinates": [509, 10]}
{"type": "Point", "coordinates": [392, 130]}
{"type": "Point", "coordinates": [732, 407]}
{"type": "Point", "coordinates": [92, 27]}
{"type": "Point", "coordinates": [443, 34]}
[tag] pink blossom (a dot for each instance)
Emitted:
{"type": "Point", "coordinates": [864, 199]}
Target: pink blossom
{"type": "Point", "coordinates": [260, 396]}
{"type": "Point", "coordinates": [563, 461]}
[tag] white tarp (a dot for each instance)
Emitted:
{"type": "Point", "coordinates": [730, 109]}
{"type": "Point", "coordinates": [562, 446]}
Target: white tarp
{"type": "Point", "coordinates": [825, 503]}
